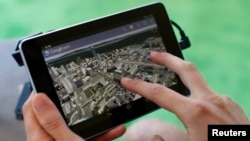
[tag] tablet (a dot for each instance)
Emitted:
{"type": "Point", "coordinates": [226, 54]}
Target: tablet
{"type": "Point", "coordinates": [80, 67]}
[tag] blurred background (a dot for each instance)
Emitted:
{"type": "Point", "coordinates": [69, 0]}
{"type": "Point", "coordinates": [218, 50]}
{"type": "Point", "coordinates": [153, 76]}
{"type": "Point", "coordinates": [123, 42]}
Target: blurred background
{"type": "Point", "coordinates": [219, 31]}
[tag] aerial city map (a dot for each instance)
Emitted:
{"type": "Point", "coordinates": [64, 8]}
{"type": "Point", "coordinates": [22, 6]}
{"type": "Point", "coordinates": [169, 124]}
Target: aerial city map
{"type": "Point", "coordinates": [87, 80]}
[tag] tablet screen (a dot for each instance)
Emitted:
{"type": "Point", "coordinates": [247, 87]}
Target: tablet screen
{"type": "Point", "coordinates": [86, 71]}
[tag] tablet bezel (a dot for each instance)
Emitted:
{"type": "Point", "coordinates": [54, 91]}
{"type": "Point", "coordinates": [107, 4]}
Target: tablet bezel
{"type": "Point", "coordinates": [41, 80]}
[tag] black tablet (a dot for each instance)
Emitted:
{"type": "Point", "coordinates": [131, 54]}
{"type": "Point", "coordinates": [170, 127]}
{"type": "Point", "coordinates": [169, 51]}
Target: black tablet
{"type": "Point", "coordinates": [79, 67]}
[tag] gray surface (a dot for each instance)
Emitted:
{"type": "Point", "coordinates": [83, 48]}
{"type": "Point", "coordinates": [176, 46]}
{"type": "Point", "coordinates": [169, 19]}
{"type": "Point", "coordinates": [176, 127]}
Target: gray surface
{"type": "Point", "coordinates": [11, 79]}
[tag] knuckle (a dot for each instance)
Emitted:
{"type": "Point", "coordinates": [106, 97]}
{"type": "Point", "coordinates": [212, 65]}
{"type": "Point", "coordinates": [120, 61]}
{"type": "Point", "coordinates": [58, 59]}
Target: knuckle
{"type": "Point", "coordinates": [199, 108]}
{"type": "Point", "coordinates": [226, 98]}
{"type": "Point", "coordinates": [189, 66]}
{"type": "Point", "coordinates": [156, 89]}
{"type": "Point", "coordinates": [223, 101]}
{"type": "Point", "coordinates": [52, 124]}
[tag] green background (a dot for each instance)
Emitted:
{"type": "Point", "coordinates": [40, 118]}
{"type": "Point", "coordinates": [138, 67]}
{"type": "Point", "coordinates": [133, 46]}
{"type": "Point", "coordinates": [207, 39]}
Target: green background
{"type": "Point", "coordinates": [219, 31]}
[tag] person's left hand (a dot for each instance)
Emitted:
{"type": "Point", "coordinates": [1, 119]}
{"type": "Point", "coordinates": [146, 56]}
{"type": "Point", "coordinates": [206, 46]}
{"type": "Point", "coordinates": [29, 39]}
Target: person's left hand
{"type": "Point", "coordinates": [43, 122]}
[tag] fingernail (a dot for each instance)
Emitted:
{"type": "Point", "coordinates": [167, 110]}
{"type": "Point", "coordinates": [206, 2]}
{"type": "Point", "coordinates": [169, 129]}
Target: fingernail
{"type": "Point", "coordinates": [154, 52]}
{"type": "Point", "coordinates": [40, 103]}
{"type": "Point", "coordinates": [126, 79]}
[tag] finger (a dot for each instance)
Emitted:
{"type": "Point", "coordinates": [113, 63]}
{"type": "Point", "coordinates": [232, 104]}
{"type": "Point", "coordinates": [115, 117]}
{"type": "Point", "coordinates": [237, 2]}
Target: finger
{"type": "Point", "coordinates": [50, 119]}
{"type": "Point", "coordinates": [112, 134]}
{"type": "Point", "coordinates": [162, 96]}
{"type": "Point", "coordinates": [232, 108]}
{"type": "Point", "coordinates": [186, 71]}
{"type": "Point", "coordinates": [33, 129]}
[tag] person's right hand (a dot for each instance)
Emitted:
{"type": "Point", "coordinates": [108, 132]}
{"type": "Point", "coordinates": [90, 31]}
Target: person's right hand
{"type": "Point", "coordinates": [196, 112]}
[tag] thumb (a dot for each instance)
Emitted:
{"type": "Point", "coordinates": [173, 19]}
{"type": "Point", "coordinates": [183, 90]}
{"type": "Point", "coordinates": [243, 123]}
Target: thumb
{"type": "Point", "coordinates": [50, 119]}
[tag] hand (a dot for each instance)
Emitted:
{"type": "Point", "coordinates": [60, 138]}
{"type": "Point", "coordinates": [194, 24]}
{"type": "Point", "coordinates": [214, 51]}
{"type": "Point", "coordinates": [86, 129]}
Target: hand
{"type": "Point", "coordinates": [43, 122]}
{"type": "Point", "coordinates": [196, 112]}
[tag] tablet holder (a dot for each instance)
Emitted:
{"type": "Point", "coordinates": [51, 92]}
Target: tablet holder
{"type": "Point", "coordinates": [27, 88]}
